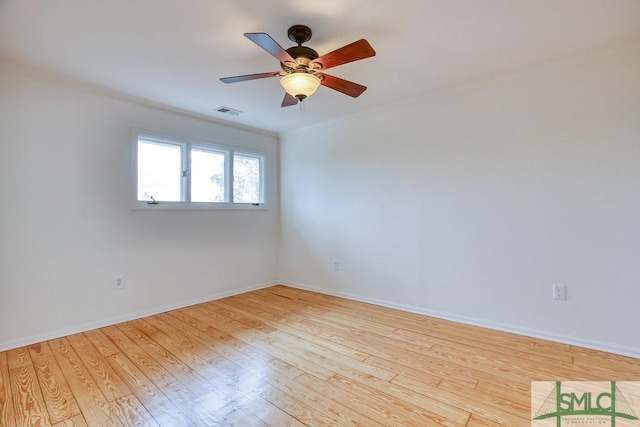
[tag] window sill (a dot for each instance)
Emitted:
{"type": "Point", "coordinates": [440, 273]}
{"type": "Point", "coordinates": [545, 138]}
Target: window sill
{"type": "Point", "coordinates": [144, 206]}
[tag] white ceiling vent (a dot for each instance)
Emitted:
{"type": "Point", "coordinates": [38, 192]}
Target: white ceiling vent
{"type": "Point", "coordinates": [229, 111]}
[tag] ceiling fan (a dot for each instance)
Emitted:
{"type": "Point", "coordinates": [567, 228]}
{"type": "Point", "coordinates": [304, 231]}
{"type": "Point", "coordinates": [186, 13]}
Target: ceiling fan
{"type": "Point", "coordinates": [303, 69]}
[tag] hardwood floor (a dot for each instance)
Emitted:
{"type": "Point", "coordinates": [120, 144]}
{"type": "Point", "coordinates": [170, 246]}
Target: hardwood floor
{"type": "Point", "coordinates": [287, 357]}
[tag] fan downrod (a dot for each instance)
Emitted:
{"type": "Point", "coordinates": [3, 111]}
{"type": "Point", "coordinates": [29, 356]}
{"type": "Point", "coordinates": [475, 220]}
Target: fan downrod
{"type": "Point", "coordinates": [299, 34]}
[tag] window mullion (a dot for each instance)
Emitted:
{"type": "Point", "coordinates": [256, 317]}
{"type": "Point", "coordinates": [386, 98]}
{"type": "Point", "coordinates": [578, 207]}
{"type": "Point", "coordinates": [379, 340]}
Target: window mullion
{"type": "Point", "coordinates": [186, 173]}
{"type": "Point", "coordinates": [229, 181]}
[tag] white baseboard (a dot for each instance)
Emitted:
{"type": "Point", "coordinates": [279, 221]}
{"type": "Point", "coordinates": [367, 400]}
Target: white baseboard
{"type": "Point", "coordinates": [545, 335]}
{"type": "Point", "coordinates": [550, 336]}
{"type": "Point", "coordinates": [8, 345]}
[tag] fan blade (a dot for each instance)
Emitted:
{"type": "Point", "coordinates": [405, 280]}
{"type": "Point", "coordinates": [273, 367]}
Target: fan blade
{"type": "Point", "coordinates": [246, 77]}
{"type": "Point", "coordinates": [341, 85]}
{"type": "Point", "coordinates": [349, 53]}
{"type": "Point", "coordinates": [288, 100]}
{"type": "Point", "coordinates": [265, 41]}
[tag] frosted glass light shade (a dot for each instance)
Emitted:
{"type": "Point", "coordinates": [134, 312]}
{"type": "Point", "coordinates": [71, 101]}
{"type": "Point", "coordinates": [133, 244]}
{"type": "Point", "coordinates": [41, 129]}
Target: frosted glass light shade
{"type": "Point", "coordinates": [300, 85]}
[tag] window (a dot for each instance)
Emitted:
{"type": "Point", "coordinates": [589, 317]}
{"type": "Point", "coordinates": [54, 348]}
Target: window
{"type": "Point", "coordinates": [173, 173]}
{"type": "Point", "coordinates": [246, 178]}
{"type": "Point", "coordinates": [160, 169]}
{"type": "Point", "coordinates": [208, 175]}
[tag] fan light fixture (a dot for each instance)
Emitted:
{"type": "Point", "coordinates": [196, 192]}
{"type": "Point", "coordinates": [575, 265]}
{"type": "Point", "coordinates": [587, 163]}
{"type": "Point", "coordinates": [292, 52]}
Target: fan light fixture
{"type": "Point", "coordinates": [303, 70]}
{"type": "Point", "coordinates": [300, 84]}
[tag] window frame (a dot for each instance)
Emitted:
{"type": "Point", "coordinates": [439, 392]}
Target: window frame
{"type": "Point", "coordinates": [186, 146]}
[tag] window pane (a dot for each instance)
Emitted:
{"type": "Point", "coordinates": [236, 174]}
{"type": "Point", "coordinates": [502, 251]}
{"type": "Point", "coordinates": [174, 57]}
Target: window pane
{"type": "Point", "coordinates": [207, 176]}
{"type": "Point", "coordinates": [246, 179]}
{"type": "Point", "coordinates": [159, 171]}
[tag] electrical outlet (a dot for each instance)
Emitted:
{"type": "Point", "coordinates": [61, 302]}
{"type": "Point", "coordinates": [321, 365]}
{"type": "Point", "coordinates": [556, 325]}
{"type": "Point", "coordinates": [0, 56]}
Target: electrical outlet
{"type": "Point", "coordinates": [336, 265]}
{"type": "Point", "coordinates": [118, 282]}
{"type": "Point", "coordinates": [559, 292]}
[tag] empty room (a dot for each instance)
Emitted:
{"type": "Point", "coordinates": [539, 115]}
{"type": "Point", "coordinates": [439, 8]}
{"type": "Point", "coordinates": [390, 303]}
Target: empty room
{"type": "Point", "coordinates": [337, 213]}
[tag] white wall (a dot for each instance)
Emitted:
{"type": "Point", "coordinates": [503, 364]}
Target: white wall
{"type": "Point", "coordinates": [470, 204]}
{"type": "Point", "coordinates": [66, 223]}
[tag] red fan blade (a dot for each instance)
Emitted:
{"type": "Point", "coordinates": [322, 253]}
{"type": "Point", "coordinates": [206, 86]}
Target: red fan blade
{"type": "Point", "coordinates": [246, 77]}
{"type": "Point", "coordinates": [349, 53]}
{"type": "Point", "coordinates": [288, 100]}
{"type": "Point", "coordinates": [265, 41]}
{"type": "Point", "coordinates": [345, 86]}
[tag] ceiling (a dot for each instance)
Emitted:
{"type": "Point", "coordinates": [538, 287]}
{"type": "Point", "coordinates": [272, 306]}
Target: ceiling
{"type": "Point", "coordinates": [173, 52]}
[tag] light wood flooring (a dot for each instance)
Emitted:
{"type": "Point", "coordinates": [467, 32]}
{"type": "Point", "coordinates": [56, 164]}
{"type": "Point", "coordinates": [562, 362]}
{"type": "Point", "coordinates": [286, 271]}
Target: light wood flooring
{"type": "Point", "coordinates": [287, 357]}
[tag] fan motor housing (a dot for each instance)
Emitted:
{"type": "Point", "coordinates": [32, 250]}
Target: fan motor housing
{"type": "Point", "coordinates": [302, 54]}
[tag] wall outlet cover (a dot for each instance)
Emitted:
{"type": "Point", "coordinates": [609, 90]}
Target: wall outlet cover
{"type": "Point", "coordinates": [118, 281]}
{"type": "Point", "coordinates": [559, 292]}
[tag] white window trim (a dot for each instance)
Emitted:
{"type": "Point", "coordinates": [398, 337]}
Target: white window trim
{"type": "Point", "coordinates": [187, 143]}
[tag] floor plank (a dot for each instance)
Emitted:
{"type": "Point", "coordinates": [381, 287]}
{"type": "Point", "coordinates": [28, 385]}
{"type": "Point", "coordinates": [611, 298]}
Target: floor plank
{"type": "Point", "coordinates": [7, 416]}
{"type": "Point", "coordinates": [133, 413]}
{"type": "Point", "coordinates": [110, 384]}
{"type": "Point", "coordinates": [58, 398]}
{"type": "Point", "coordinates": [204, 403]}
{"type": "Point", "coordinates": [101, 342]}
{"type": "Point", "coordinates": [18, 358]}
{"type": "Point", "coordinates": [28, 403]}
{"type": "Point", "coordinates": [281, 356]}
{"type": "Point", "coordinates": [93, 404]}
{"type": "Point", "coordinates": [77, 421]}
{"type": "Point", "coordinates": [159, 406]}
{"type": "Point", "coordinates": [58, 343]}
{"type": "Point", "coordinates": [174, 390]}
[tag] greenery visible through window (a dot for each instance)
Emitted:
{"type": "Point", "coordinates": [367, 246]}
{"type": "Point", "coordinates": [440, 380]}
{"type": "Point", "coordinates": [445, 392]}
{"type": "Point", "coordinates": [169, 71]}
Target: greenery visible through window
{"type": "Point", "coordinates": [207, 175]}
{"type": "Point", "coordinates": [179, 173]}
{"type": "Point", "coordinates": [246, 178]}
